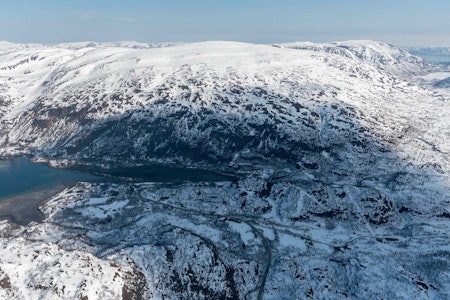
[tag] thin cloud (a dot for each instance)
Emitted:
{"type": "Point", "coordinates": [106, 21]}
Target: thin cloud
{"type": "Point", "coordinates": [86, 14]}
{"type": "Point", "coordinates": [126, 19]}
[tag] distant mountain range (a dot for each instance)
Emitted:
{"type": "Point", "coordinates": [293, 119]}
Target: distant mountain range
{"type": "Point", "coordinates": [443, 51]}
{"type": "Point", "coordinates": [435, 54]}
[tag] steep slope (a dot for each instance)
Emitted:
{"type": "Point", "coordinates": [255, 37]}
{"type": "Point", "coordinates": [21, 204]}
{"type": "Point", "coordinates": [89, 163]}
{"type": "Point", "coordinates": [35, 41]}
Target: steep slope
{"type": "Point", "coordinates": [209, 103]}
{"type": "Point", "coordinates": [23, 72]}
{"type": "Point", "coordinates": [443, 84]}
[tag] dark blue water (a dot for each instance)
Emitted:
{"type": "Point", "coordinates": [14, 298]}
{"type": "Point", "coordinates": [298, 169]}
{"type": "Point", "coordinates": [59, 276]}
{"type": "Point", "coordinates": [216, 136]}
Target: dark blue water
{"type": "Point", "coordinates": [19, 175]}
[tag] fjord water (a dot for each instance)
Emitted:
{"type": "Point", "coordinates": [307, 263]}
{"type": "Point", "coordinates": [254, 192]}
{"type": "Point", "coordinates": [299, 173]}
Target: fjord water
{"type": "Point", "coordinates": [19, 176]}
{"type": "Point", "coordinates": [24, 184]}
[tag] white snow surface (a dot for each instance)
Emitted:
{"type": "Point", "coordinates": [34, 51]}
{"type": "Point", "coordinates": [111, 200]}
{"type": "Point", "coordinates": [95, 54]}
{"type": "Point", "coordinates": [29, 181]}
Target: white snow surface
{"type": "Point", "coordinates": [280, 86]}
{"type": "Point", "coordinates": [43, 270]}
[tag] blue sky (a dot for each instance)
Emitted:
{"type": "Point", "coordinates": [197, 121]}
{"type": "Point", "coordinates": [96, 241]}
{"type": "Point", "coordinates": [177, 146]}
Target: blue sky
{"type": "Point", "coordinates": [400, 22]}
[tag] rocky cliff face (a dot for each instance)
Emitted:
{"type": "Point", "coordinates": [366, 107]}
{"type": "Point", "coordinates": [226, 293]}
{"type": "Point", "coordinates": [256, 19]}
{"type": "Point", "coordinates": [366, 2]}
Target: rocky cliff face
{"type": "Point", "coordinates": [342, 160]}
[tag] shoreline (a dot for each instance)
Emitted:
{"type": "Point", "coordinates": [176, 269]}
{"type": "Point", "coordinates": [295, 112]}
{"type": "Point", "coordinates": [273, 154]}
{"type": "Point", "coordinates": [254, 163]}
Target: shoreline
{"type": "Point", "coordinates": [24, 208]}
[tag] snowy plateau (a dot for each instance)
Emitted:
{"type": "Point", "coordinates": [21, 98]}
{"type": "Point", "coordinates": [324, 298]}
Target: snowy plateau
{"type": "Point", "coordinates": [340, 153]}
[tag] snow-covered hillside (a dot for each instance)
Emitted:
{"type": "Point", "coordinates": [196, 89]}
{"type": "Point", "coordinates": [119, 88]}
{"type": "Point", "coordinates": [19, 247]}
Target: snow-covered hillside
{"type": "Point", "coordinates": [383, 56]}
{"type": "Point", "coordinates": [444, 83]}
{"type": "Point", "coordinates": [205, 103]}
{"type": "Point", "coordinates": [342, 159]}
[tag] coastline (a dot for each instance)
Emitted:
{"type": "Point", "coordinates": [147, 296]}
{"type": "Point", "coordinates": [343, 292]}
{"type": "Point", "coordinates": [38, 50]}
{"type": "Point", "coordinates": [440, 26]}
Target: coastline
{"type": "Point", "coordinates": [24, 208]}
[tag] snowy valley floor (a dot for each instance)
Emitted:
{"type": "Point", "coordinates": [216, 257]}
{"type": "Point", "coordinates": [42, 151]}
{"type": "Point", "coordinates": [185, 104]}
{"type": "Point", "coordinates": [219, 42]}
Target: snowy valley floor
{"type": "Point", "coordinates": [217, 241]}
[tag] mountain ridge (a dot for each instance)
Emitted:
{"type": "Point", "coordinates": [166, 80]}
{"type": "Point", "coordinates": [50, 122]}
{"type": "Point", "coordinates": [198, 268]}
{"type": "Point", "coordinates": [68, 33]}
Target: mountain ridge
{"type": "Point", "coordinates": [184, 63]}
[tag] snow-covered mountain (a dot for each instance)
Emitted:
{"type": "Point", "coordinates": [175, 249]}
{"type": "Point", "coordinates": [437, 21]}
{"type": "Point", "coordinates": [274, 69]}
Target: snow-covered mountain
{"type": "Point", "coordinates": [197, 103]}
{"type": "Point", "coordinates": [383, 56]}
{"type": "Point", "coordinates": [342, 164]}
